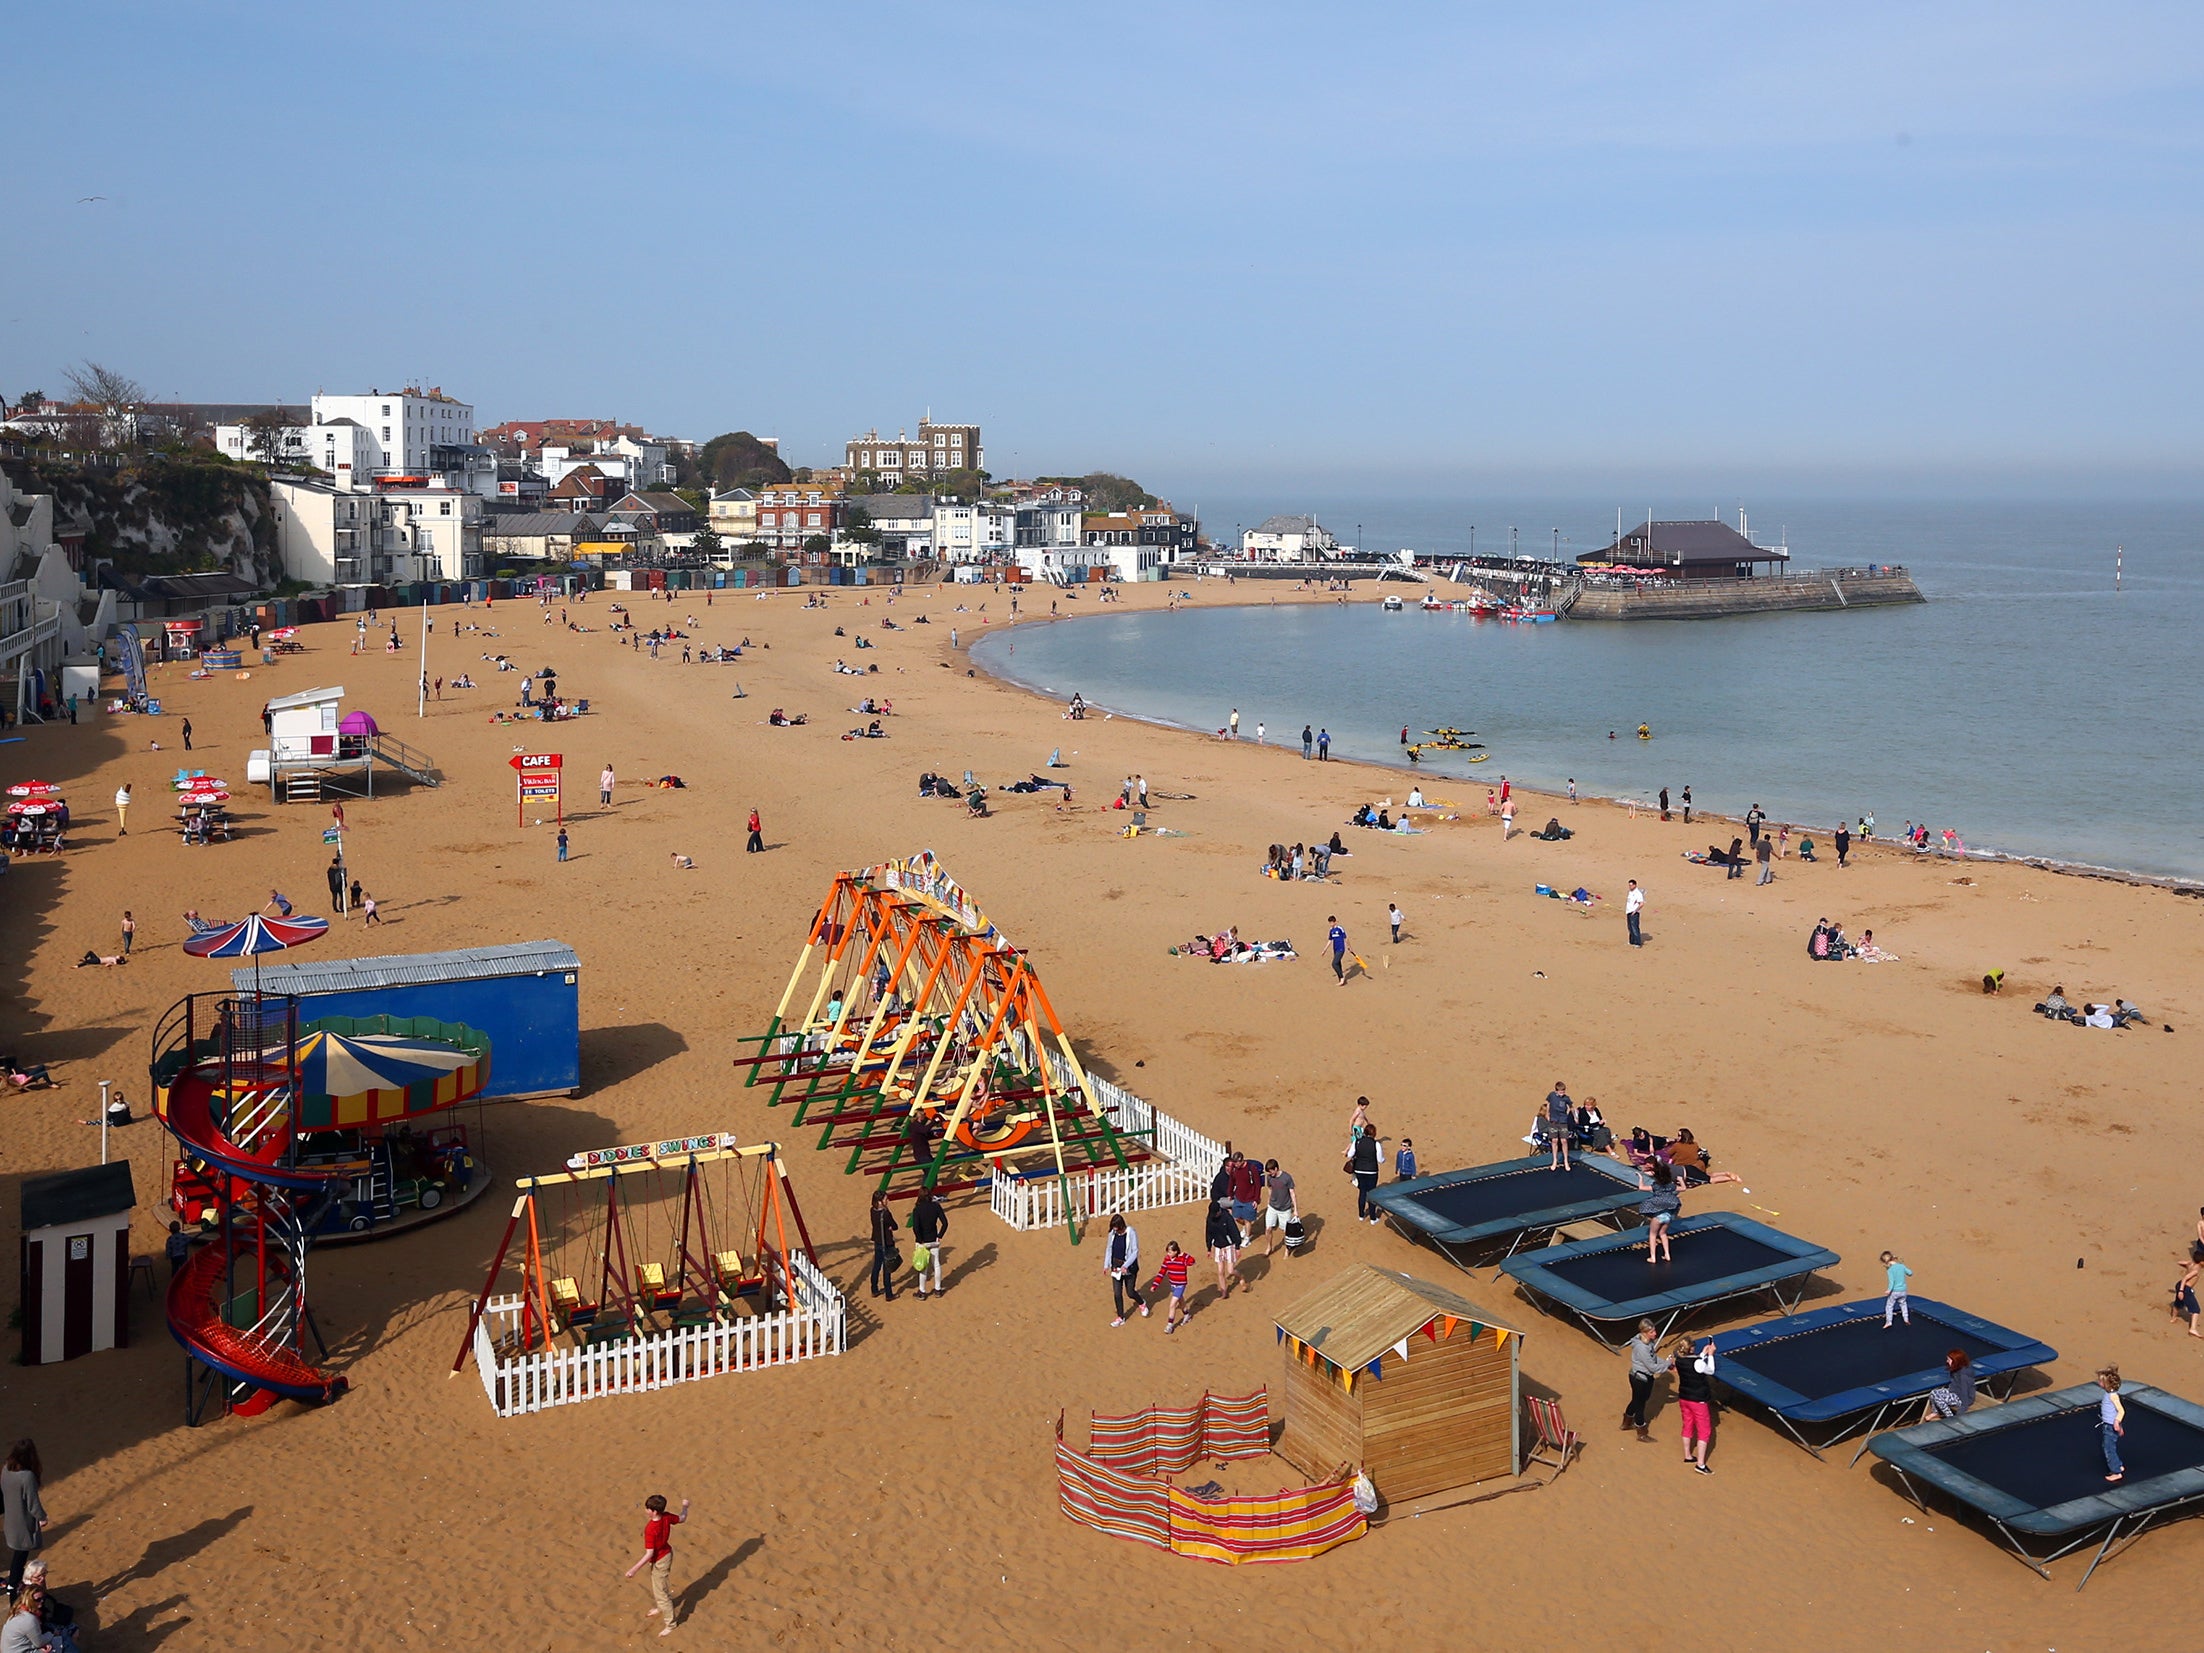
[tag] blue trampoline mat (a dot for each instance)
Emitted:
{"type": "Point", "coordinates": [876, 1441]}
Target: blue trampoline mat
{"type": "Point", "coordinates": [1825, 1363]}
{"type": "Point", "coordinates": [1486, 1201]}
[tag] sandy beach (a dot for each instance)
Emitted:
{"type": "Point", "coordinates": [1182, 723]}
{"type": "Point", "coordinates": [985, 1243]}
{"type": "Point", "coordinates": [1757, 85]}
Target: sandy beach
{"type": "Point", "coordinates": [902, 1495]}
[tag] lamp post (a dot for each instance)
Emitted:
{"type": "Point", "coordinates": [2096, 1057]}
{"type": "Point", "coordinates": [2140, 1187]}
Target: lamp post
{"type": "Point", "coordinates": [1557, 545]}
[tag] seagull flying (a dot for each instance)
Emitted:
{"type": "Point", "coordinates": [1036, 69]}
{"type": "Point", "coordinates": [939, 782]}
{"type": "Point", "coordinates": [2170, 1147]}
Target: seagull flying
{"type": "Point", "coordinates": [82, 199]}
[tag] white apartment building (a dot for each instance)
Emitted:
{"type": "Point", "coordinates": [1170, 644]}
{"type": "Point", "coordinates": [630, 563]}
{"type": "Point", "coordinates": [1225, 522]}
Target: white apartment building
{"type": "Point", "coordinates": [331, 535]}
{"type": "Point", "coordinates": [403, 426]}
{"type": "Point", "coordinates": [974, 533]}
{"type": "Point", "coordinates": [1050, 524]}
{"type": "Point", "coordinates": [378, 439]}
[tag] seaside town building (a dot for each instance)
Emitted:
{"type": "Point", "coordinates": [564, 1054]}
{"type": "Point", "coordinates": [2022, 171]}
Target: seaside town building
{"type": "Point", "coordinates": [1697, 550]}
{"type": "Point", "coordinates": [539, 536]}
{"type": "Point", "coordinates": [327, 534]}
{"type": "Point", "coordinates": [790, 513]}
{"type": "Point", "coordinates": [984, 533]}
{"type": "Point", "coordinates": [905, 524]}
{"type": "Point", "coordinates": [1288, 539]}
{"type": "Point", "coordinates": [733, 515]}
{"type": "Point", "coordinates": [1173, 535]}
{"type": "Point", "coordinates": [937, 448]}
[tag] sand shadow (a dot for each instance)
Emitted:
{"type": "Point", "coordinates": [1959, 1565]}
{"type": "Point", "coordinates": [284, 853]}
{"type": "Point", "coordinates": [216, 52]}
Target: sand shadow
{"type": "Point", "coordinates": [984, 1257]}
{"type": "Point", "coordinates": [722, 1570]}
{"type": "Point", "coordinates": [612, 1054]}
{"type": "Point", "coordinates": [72, 1044]}
{"type": "Point", "coordinates": [164, 1553]}
{"type": "Point", "coordinates": [135, 1629]}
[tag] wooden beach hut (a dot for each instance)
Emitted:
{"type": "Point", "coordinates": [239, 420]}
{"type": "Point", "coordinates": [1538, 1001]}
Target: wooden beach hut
{"type": "Point", "coordinates": [1406, 1381]}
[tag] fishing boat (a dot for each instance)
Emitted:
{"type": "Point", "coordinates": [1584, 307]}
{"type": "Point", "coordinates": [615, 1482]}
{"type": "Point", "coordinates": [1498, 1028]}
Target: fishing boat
{"type": "Point", "coordinates": [1529, 616]}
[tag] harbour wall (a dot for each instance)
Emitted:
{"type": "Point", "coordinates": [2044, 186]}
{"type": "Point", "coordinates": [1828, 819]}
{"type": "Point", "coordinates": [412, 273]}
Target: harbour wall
{"type": "Point", "coordinates": [1714, 599]}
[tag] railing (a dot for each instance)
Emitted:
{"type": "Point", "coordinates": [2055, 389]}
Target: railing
{"type": "Point", "coordinates": [1027, 1204]}
{"type": "Point", "coordinates": [399, 755]}
{"type": "Point", "coordinates": [1179, 1173]}
{"type": "Point", "coordinates": [816, 1324]}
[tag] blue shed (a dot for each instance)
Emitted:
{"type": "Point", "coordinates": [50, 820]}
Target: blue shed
{"type": "Point", "coordinates": [525, 995]}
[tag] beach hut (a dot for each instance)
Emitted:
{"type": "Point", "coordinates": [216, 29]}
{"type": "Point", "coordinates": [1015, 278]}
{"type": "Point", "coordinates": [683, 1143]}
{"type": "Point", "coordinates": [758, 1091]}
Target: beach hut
{"type": "Point", "coordinates": [76, 1262]}
{"type": "Point", "coordinates": [1406, 1381]}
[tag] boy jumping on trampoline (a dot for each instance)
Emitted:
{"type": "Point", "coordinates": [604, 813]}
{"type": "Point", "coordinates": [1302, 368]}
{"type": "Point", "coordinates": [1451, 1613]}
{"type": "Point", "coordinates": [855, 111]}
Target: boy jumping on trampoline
{"type": "Point", "coordinates": [2111, 1423]}
{"type": "Point", "coordinates": [1894, 1298]}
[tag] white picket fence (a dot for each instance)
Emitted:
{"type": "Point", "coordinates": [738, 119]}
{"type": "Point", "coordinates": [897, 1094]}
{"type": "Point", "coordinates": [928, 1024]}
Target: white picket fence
{"type": "Point", "coordinates": [1040, 1202]}
{"type": "Point", "coordinates": [816, 1324]}
{"type": "Point", "coordinates": [1179, 1174]}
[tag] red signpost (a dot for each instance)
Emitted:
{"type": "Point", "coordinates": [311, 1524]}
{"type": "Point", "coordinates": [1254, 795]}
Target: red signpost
{"type": "Point", "coordinates": [539, 780]}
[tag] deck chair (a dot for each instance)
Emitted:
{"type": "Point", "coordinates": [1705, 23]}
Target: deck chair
{"type": "Point", "coordinates": [1554, 1442]}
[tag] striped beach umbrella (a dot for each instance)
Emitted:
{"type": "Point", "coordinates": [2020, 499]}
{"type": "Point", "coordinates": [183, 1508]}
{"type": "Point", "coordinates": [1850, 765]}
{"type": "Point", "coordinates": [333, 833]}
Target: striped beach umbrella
{"type": "Point", "coordinates": [363, 1078]}
{"type": "Point", "coordinates": [34, 789]}
{"type": "Point", "coordinates": [254, 936]}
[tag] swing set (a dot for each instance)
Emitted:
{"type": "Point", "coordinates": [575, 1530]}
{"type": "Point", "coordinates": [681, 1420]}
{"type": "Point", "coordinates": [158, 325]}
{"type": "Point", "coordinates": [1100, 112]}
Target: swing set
{"type": "Point", "coordinates": [647, 1239]}
{"type": "Point", "coordinates": [923, 1044]}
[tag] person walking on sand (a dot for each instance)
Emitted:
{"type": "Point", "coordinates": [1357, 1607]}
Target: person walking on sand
{"type": "Point", "coordinates": [929, 1225]}
{"type": "Point", "coordinates": [22, 1514]}
{"type": "Point", "coordinates": [1694, 1371]}
{"type": "Point", "coordinates": [1560, 1114]}
{"type": "Point", "coordinates": [1308, 742]}
{"type": "Point", "coordinates": [1172, 1272]}
{"type": "Point", "coordinates": [757, 835]}
{"type": "Point", "coordinates": [2195, 1265]}
{"type": "Point", "coordinates": [1121, 1262]}
{"type": "Point", "coordinates": [1223, 1236]}
{"type": "Point", "coordinates": [1395, 918]}
{"type": "Point", "coordinates": [1234, 723]}
{"type": "Point", "coordinates": [1645, 1371]}
{"type": "Point", "coordinates": [2111, 1425]}
{"type": "Point", "coordinates": [1896, 1274]}
{"type": "Point", "coordinates": [604, 787]}
{"type": "Point", "coordinates": [1844, 843]}
{"type": "Point", "coordinates": [562, 843]}
{"type": "Point", "coordinates": [1281, 1204]}
{"type": "Point", "coordinates": [658, 1557]}
{"type": "Point", "coordinates": [1632, 905]}
{"type": "Point", "coordinates": [1572, 789]}
{"type": "Point", "coordinates": [122, 810]}
{"type": "Point", "coordinates": [1763, 851]}
{"type": "Point", "coordinates": [187, 734]}
{"type": "Point", "coordinates": [369, 915]}
{"type": "Point", "coordinates": [884, 1226]}
{"type": "Point", "coordinates": [1753, 819]}
{"type": "Point", "coordinates": [1338, 939]}
{"type": "Point", "coordinates": [129, 931]}
{"type": "Point", "coordinates": [1364, 1155]}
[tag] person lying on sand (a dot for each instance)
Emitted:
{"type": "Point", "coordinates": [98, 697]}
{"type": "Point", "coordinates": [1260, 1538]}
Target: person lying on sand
{"type": "Point", "coordinates": [105, 960]}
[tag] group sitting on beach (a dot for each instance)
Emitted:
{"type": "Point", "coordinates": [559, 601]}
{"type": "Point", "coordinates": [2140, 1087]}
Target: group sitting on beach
{"type": "Point", "coordinates": [1226, 947]}
{"type": "Point", "coordinates": [1829, 944]}
{"type": "Point", "coordinates": [1291, 862]}
{"type": "Point", "coordinates": [1369, 816]}
{"type": "Point", "coordinates": [781, 720]}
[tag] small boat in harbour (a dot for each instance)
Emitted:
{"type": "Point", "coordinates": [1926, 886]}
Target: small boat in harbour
{"type": "Point", "coordinates": [1393, 604]}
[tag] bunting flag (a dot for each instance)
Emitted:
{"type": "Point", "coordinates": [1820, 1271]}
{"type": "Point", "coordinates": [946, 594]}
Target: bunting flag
{"type": "Point", "coordinates": [1451, 1323]}
{"type": "Point", "coordinates": [1401, 1348]}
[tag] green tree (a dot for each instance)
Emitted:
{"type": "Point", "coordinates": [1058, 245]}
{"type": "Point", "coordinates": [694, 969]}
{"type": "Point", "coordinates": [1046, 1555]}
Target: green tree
{"type": "Point", "coordinates": [818, 545]}
{"type": "Point", "coordinates": [708, 545]}
{"type": "Point", "coordinates": [858, 528]}
{"type": "Point", "coordinates": [738, 460]}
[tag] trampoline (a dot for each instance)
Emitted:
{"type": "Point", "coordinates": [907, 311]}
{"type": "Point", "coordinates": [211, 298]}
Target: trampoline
{"type": "Point", "coordinates": [1607, 1283]}
{"type": "Point", "coordinates": [1838, 1367]}
{"type": "Point", "coordinates": [1516, 1200]}
{"type": "Point", "coordinates": [2033, 1469]}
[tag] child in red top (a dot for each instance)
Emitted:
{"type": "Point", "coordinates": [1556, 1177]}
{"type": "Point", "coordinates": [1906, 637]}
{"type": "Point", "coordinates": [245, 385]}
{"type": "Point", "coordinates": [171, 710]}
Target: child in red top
{"type": "Point", "coordinates": [1173, 1270]}
{"type": "Point", "coordinates": [658, 1556]}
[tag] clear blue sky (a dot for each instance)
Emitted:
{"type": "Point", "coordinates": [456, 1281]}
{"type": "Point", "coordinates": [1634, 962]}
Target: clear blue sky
{"type": "Point", "coordinates": [1200, 243]}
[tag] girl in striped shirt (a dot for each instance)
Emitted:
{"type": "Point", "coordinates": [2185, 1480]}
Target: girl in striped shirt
{"type": "Point", "coordinates": [1172, 1271]}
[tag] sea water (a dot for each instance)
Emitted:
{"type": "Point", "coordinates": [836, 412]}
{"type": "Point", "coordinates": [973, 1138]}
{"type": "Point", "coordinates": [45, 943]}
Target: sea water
{"type": "Point", "coordinates": [2027, 704]}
